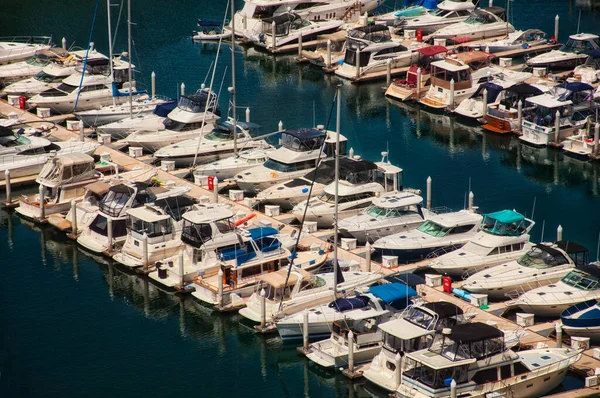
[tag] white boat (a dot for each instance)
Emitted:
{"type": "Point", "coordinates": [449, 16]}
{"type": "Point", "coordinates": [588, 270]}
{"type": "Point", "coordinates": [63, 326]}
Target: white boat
{"type": "Point", "coordinates": [286, 295]}
{"type": "Point", "coordinates": [571, 54]}
{"type": "Point", "coordinates": [113, 212]}
{"type": "Point", "coordinates": [481, 24]}
{"type": "Point", "coordinates": [448, 12]}
{"type": "Point", "coordinates": [370, 48]}
{"type": "Point", "coordinates": [52, 75]}
{"type": "Point", "coordinates": [288, 28]}
{"type": "Point", "coordinates": [210, 31]}
{"type": "Point", "coordinates": [543, 264]}
{"type": "Point", "coordinates": [62, 179]}
{"type": "Point", "coordinates": [439, 231]}
{"type": "Point", "coordinates": [513, 41]}
{"type": "Point", "coordinates": [355, 193]}
{"type": "Point", "coordinates": [300, 152]}
{"type": "Point", "coordinates": [217, 144]}
{"type": "Point", "coordinates": [154, 232]}
{"type": "Point", "coordinates": [14, 142]}
{"type": "Point", "coordinates": [582, 320]}
{"type": "Point", "coordinates": [22, 47]}
{"type": "Point", "coordinates": [97, 89]}
{"type": "Point", "coordinates": [153, 121]}
{"type": "Point", "coordinates": [570, 101]}
{"type": "Point", "coordinates": [589, 71]}
{"type": "Point", "coordinates": [141, 104]}
{"type": "Point", "coordinates": [474, 359]}
{"type": "Point", "coordinates": [31, 66]}
{"type": "Point", "coordinates": [503, 236]}
{"type": "Point", "coordinates": [229, 167]}
{"type": "Point", "coordinates": [581, 144]}
{"type": "Point", "coordinates": [390, 213]}
{"type": "Point", "coordinates": [361, 306]}
{"type": "Point", "coordinates": [328, 51]}
{"type": "Point", "coordinates": [579, 285]}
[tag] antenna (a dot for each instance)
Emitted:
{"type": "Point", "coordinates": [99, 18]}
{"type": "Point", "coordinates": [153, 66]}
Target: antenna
{"type": "Point", "coordinates": [579, 21]}
{"type": "Point", "coordinates": [533, 210]}
{"type": "Point", "coordinates": [598, 249]}
{"type": "Point", "coordinates": [469, 184]}
{"type": "Point", "coordinates": [314, 115]}
{"type": "Point", "coordinates": [543, 226]}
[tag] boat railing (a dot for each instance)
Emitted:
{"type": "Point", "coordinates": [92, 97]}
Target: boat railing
{"type": "Point", "coordinates": [27, 39]}
{"type": "Point", "coordinates": [441, 251]}
{"type": "Point", "coordinates": [20, 160]}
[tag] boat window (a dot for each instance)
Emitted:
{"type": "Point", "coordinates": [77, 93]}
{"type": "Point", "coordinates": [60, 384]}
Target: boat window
{"type": "Point", "coordinates": [486, 375]}
{"type": "Point", "coordinates": [152, 229]}
{"type": "Point", "coordinates": [294, 143]}
{"type": "Point", "coordinates": [576, 46]}
{"type": "Point", "coordinates": [351, 53]}
{"type": "Point", "coordinates": [418, 317]}
{"type": "Point", "coordinates": [14, 140]}
{"type": "Point", "coordinates": [463, 13]}
{"type": "Point", "coordinates": [221, 134]}
{"type": "Point", "coordinates": [114, 202]}
{"type": "Point", "coordinates": [62, 90]}
{"type": "Point", "coordinates": [520, 368]}
{"type": "Point", "coordinates": [224, 225]}
{"type": "Point", "coordinates": [93, 87]}
{"type": "Point", "coordinates": [173, 125]}
{"type": "Point", "coordinates": [440, 13]}
{"type": "Point", "coordinates": [50, 171]}
{"type": "Point", "coordinates": [461, 229]}
{"type": "Point", "coordinates": [434, 378]}
{"type": "Point", "coordinates": [99, 226]}
{"type": "Point", "coordinates": [391, 50]}
{"type": "Point", "coordinates": [261, 12]}
{"type": "Point", "coordinates": [33, 61]}
{"type": "Point", "coordinates": [380, 212]}
{"type": "Point", "coordinates": [195, 234]}
{"type": "Point", "coordinates": [433, 229]}
{"type": "Point", "coordinates": [479, 17]}
{"type": "Point", "coordinates": [46, 78]}
{"type": "Point", "coordinates": [505, 372]}
{"type": "Point", "coordinates": [580, 280]}
{"type": "Point", "coordinates": [286, 168]}
{"type": "Point", "coordinates": [538, 258]}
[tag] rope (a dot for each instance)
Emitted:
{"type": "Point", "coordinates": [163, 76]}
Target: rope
{"type": "Point", "coordinates": [87, 51]}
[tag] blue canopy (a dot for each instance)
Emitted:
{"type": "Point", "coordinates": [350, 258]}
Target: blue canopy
{"type": "Point", "coordinates": [595, 53]}
{"type": "Point", "coordinates": [162, 110]}
{"type": "Point", "coordinates": [260, 232]}
{"type": "Point", "coordinates": [576, 87]}
{"type": "Point", "coordinates": [492, 91]}
{"type": "Point", "coordinates": [345, 304]}
{"type": "Point", "coordinates": [506, 216]}
{"type": "Point", "coordinates": [392, 291]}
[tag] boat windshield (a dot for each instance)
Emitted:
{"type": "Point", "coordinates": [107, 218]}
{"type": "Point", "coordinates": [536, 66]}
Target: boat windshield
{"type": "Point", "coordinates": [296, 144]}
{"type": "Point", "coordinates": [479, 17]}
{"type": "Point", "coordinates": [220, 133]}
{"type": "Point", "coordinates": [382, 213]}
{"type": "Point", "coordinates": [417, 316]}
{"type": "Point", "coordinates": [580, 280]}
{"type": "Point", "coordinates": [46, 78]}
{"type": "Point", "coordinates": [539, 258]}
{"type": "Point", "coordinates": [543, 116]}
{"type": "Point", "coordinates": [62, 90]}
{"type": "Point", "coordinates": [152, 229]}
{"type": "Point", "coordinates": [14, 140]}
{"type": "Point", "coordinates": [34, 61]}
{"type": "Point", "coordinates": [115, 201]}
{"type": "Point", "coordinates": [287, 168]}
{"type": "Point", "coordinates": [330, 198]}
{"type": "Point", "coordinates": [577, 46]}
{"type": "Point", "coordinates": [440, 13]}
{"type": "Point", "coordinates": [434, 229]}
{"type": "Point", "coordinates": [431, 377]}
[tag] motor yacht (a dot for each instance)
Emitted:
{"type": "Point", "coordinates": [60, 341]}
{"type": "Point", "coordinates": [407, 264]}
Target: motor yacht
{"type": "Point", "coordinates": [582, 320]}
{"type": "Point", "coordinates": [503, 117]}
{"type": "Point", "coordinates": [579, 285]}
{"type": "Point", "coordinates": [573, 103]}
{"type": "Point", "coordinates": [543, 264]}
{"type": "Point", "coordinates": [412, 331]}
{"type": "Point", "coordinates": [18, 48]}
{"type": "Point", "coordinates": [62, 180]}
{"type": "Point", "coordinates": [112, 213]}
{"type": "Point", "coordinates": [140, 105]}
{"type": "Point", "coordinates": [52, 75]}
{"type": "Point", "coordinates": [390, 213]}
{"type": "Point", "coordinates": [287, 293]}
{"type": "Point", "coordinates": [439, 231]}
{"type": "Point", "coordinates": [474, 358]}
{"type": "Point", "coordinates": [288, 28]}
{"type": "Point", "coordinates": [329, 50]}
{"type": "Point", "coordinates": [370, 48]}
{"type": "Point", "coordinates": [448, 12]}
{"type": "Point", "coordinates": [300, 152]}
{"type": "Point", "coordinates": [195, 115]}
{"type": "Point", "coordinates": [481, 24]}
{"type": "Point", "coordinates": [230, 166]}
{"type": "Point", "coordinates": [513, 41]}
{"type": "Point", "coordinates": [216, 145]}
{"type": "Point", "coordinates": [96, 89]}
{"type": "Point", "coordinates": [16, 140]}
{"type": "Point", "coordinates": [153, 232]}
{"type": "Point", "coordinates": [571, 54]}
{"type": "Point", "coordinates": [355, 193]}
{"type": "Point", "coordinates": [589, 71]}
{"type": "Point", "coordinates": [153, 121]}
{"type": "Point", "coordinates": [210, 31]}
{"type": "Point", "coordinates": [372, 303]}
{"type": "Point", "coordinates": [16, 71]}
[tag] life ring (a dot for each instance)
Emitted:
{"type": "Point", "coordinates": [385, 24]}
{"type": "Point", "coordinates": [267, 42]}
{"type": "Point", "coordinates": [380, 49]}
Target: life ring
{"type": "Point", "coordinates": [273, 174]}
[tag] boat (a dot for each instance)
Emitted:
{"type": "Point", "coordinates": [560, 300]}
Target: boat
{"type": "Point", "coordinates": [52, 75]}
{"type": "Point", "coordinates": [364, 182]}
{"type": "Point", "coordinates": [288, 28]}
{"type": "Point", "coordinates": [194, 116]}
{"type": "Point", "coordinates": [412, 331]}
{"type": "Point", "coordinates": [411, 9]}
{"type": "Point", "coordinates": [589, 71]}
{"type": "Point", "coordinates": [153, 121]}
{"type": "Point", "coordinates": [439, 231]}
{"type": "Point", "coordinates": [473, 359]}
{"type": "Point", "coordinates": [406, 89]}
{"type": "Point", "coordinates": [113, 212]}
{"type": "Point", "coordinates": [329, 50]}
{"type": "Point", "coordinates": [16, 71]}
{"type": "Point", "coordinates": [579, 285]}
{"type": "Point", "coordinates": [543, 264]}
{"type": "Point", "coordinates": [448, 12]}
{"type": "Point", "coordinates": [289, 292]}
{"type": "Point", "coordinates": [568, 56]}
{"type": "Point", "coordinates": [481, 24]}
{"type": "Point", "coordinates": [62, 180]}
{"type": "Point", "coordinates": [210, 31]}
{"type": "Point", "coordinates": [154, 232]}
{"type": "Point", "coordinates": [514, 41]}
{"type": "Point", "coordinates": [18, 48]}
{"type": "Point", "coordinates": [300, 152]}
{"type": "Point", "coordinates": [227, 168]}
{"type": "Point", "coordinates": [503, 236]}
{"type": "Point", "coordinates": [503, 117]}
{"type": "Point", "coordinates": [390, 213]}
{"type": "Point", "coordinates": [141, 105]}
{"type": "Point", "coordinates": [581, 144]}
{"type": "Point", "coordinates": [218, 144]}
{"type": "Point", "coordinates": [351, 308]}
{"type": "Point", "coordinates": [582, 320]}
{"type": "Point", "coordinates": [370, 48]}
{"type": "Point", "coordinates": [570, 101]}
{"type": "Point", "coordinates": [15, 140]}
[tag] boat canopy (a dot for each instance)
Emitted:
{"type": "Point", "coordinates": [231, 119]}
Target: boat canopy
{"type": "Point", "coordinates": [408, 278]}
{"type": "Point", "coordinates": [524, 90]}
{"type": "Point", "coordinates": [504, 222]}
{"type": "Point", "coordinates": [430, 51]}
{"type": "Point", "coordinates": [303, 139]}
{"type": "Point", "coordinates": [570, 91]}
{"type": "Point", "coordinates": [390, 292]}
{"type": "Point", "coordinates": [492, 92]}
{"type": "Point", "coordinates": [373, 33]}
{"type": "Point", "coordinates": [444, 309]}
{"type": "Point", "coordinates": [197, 102]}
{"type": "Point", "coordinates": [280, 278]}
{"type": "Point", "coordinates": [256, 233]}
{"type": "Point", "coordinates": [469, 341]}
{"type": "Point", "coordinates": [475, 331]}
{"type": "Point", "coordinates": [162, 110]}
{"type": "Point", "coordinates": [147, 214]}
{"type": "Point", "coordinates": [66, 169]}
{"type": "Point", "coordinates": [175, 206]}
{"type": "Point", "coordinates": [345, 304]}
{"type": "Point", "coordinates": [581, 315]}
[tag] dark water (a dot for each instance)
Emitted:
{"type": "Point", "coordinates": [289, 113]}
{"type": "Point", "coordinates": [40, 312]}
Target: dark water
{"type": "Point", "coordinates": [71, 325]}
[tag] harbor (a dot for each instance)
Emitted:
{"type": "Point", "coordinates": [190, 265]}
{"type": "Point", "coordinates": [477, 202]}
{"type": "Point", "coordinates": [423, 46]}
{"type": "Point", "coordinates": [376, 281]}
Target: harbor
{"type": "Point", "coordinates": [195, 313]}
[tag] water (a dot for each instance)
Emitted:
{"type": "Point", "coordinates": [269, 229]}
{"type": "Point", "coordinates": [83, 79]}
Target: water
{"type": "Point", "coordinates": [71, 323]}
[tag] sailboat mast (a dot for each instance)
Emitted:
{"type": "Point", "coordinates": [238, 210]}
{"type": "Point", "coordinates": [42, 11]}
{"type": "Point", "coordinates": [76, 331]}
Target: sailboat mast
{"type": "Point", "coordinates": [110, 49]}
{"type": "Point", "coordinates": [337, 179]}
{"type": "Point", "coordinates": [129, 56]}
{"type": "Point", "coordinates": [233, 102]}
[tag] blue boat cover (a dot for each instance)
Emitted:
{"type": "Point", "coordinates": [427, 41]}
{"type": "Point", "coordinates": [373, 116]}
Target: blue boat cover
{"type": "Point", "coordinates": [492, 91]}
{"type": "Point", "coordinates": [256, 233]}
{"type": "Point", "coordinates": [162, 110]}
{"type": "Point", "coordinates": [506, 216]}
{"type": "Point", "coordinates": [576, 87]}
{"type": "Point", "coordinates": [392, 291]}
{"type": "Point", "coordinates": [595, 53]}
{"type": "Point", "coordinates": [584, 314]}
{"type": "Point", "coordinates": [345, 304]}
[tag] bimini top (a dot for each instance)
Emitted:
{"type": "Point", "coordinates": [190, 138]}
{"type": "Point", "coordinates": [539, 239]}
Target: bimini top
{"type": "Point", "coordinates": [571, 247]}
{"type": "Point", "coordinates": [277, 279]}
{"type": "Point", "coordinates": [524, 89]}
{"type": "Point", "coordinates": [504, 222]}
{"type": "Point", "coordinates": [374, 33]}
{"type": "Point", "coordinates": [444, 309]}
{"type": "Point", "coordinates": [303, 139]}
{"type": "Point", "coordinates": [475, 331]}
{"type": "Point", "coordinates": [390, 292]}
{"type": "Point", "coordinates": [175, 206]}
{"type": "Point", "coordinates": [196, 102]}
{"type": "Point", "coordinates": [497, 11]}
{"type": "Point", "coordinates": [430, 51]}
{"type": "Point", "coordinates": [256, 233]}
{"type": "Point", "coordinates": [304, 133]}
{"type": "Point", "coordinates": [66, 169]}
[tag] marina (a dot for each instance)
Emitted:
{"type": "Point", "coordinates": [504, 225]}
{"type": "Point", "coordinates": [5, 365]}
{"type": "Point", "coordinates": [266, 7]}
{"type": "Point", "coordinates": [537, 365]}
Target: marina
{"type": "Point", "coordinates": [123, 252]}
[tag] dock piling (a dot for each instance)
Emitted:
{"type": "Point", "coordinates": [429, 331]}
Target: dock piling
{"type": "Point", "coordinates": [429, 192]}
{"type": "Point", "coordinates": [451, 94]}
{"type": "Point", "coordinates": [247, 115]}
{"type": "Point", "coordinates": [216, 189]}
{"type": "Point", "coordinates": [182, 89]}
{"type": "Point", "coordinates": [64, 43]}
{"type": "Point", "coordinates": [328, 64]}
{"type": "Point", "coordinates": [273, 36]}
{"type": "Point", "coordinates": [485, 104]}
{"type": "Point", "coordinates": [109, 233]}
{"type": "Point", "coordinates": [556, 22]}
{"type": "Point", "coordinates": [153, 84]}
{"type": "Point", "coordinates": [389, 72]}
{"type": "Point", "coordinates": [419, 74]}
{"type": "Point", "coordinates": [305, 330]}
{"type": "Point", "coordinates": [453, 382]}
{"type": "Point", "coordinates": [357, 64]}
{"type": "Point", "coordinates": [280, 125]}
{"type": "Point", "coordinates": [558, 328]}
{"type": "Point", "coordinates": [42, 203]}
{"type": "Point", "coordinates": [74, 218]}
{"type": "Point", "coordinates": [263, 308]}
{"type": "Point", "coordinates": [81, 127]}
{"type": "Point", "coordinates": [596, 139]}
{"type": "Point", "coordinates": [145, 251]}
{"type": "Point", "coordinates": [350, 351]}
{"type": "Point", "coordinates": [559, 233]}
{"type": "Point", "coordinates": [398, 370]}
{"type": "Point", "coordinates": [300, 46]}
{"type": "Point", "coordinates": [556, 127]}
{"type": "Point", "coordinates": [368, 255]}
{"type": "Point", "coordinates": [520, 116]}
{"type": "Point", "coordinates": [471, 200]}
{"type": "Point", "coordinates": [220, 288]}
{"type": "Point", "coordinates": [8, 187]}
{"type": "Point", "coordinates": [181, 271]}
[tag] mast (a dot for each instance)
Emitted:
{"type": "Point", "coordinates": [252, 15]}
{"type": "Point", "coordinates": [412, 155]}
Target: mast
{"type": "Point", "coordinates": [233, 102]}
{"type": "Point", "coordinates": [129, 56]}
{"type": "Point", "coordinates": [110, 50]}
{"type": "Point", "coordinates": [337, 178]}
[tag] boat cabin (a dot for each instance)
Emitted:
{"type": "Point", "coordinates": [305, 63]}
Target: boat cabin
{"type": "Point", "coordinates": [67, 169]}
{"type": "Point", "coordinates": [543, 256]}
{"type": "Point", "coordinates": [303, 139]}
{"type": "Point", "coordinates": [543, 112]}
{"type": "Point", "coordinates": [159, 219]}
{"type": "Point", "coordinates": [368, 42]}
{"type": "Point", "coordinates": [388, 175]}
{"type": "Point", "coordinates": [224, 131]}
{"type": "Point", "coordinates": [284, 24]}
{"type": "Point", "coordinates": [394, 205]}
{"type": "Point", "coordinates": [124, 196]}
{"type": "Point", "coordinates": [439, 226]}
{"type": "Point", "coordinates": [581, 42]}
{"type": "Point", "coordinates": [190, 111]}
{"type": "Point", "coordinates": [488, 15]}
{"type": "Point", "coordinates": [212, 224]}
{"type": "Point", "coordinates": [505, 223]}
{"type": "Point", "coordinates": [582, 280]}
{"type": "Point", "coordinates": [283, 284]}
